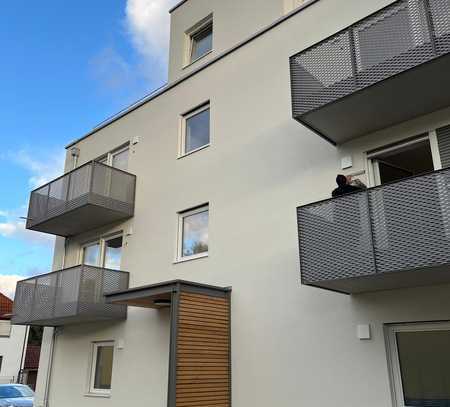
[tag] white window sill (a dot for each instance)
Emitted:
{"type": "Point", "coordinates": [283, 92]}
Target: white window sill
{"type": "Point", "coordinates": [101, 395]}
{"type": "Point", "coordinates": [189, 64]}
{"type": "Point", "coordinates": [191, 258]}
{"type": "Point", "coordinates": [193, 151]}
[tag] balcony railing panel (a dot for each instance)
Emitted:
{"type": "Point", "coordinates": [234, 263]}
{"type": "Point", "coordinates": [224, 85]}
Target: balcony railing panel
{"type": "Point", "coordinates": [69, 296]}
{"type": "Point", "coordinates": [88, 197]}
{"type": "Point", "coordinates": [349, 242]}
{"type": "Point", "coordinates": [398, 38]}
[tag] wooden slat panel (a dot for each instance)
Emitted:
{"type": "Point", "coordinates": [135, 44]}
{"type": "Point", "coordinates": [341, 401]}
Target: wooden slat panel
{"type": "Point", "coordinates": [203, 351]}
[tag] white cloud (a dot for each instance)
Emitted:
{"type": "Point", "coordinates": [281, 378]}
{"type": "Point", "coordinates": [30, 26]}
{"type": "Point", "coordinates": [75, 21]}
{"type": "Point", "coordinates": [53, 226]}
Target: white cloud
{"type": "Point", "coordinates": [8, 284]}
{"type": "Point", "coordinates": [41, 170]}
{"type": "Point", "coordinates": [15, 229]}
{"type": "Point", "coordinates": [148, 23]}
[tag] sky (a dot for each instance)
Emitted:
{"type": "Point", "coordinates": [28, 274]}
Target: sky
{"type": "Point", "coordinates": [65, 66]}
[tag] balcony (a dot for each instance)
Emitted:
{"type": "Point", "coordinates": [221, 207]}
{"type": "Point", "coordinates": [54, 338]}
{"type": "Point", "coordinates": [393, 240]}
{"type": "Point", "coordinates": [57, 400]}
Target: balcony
{"type": "Point", "coordinates": [393, 236]}
{"type": "Point", "coordinates": [86, 198]}
{"type": "Point", "coordinates": [385, 69]}
{"type": "Point", "coordinates": [70, 296]}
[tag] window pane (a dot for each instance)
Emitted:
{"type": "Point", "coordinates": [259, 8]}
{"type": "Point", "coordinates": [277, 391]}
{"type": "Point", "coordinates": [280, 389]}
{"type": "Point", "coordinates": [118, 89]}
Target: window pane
{"type": "Point", "coordinates": [103, 367]}
{"type": "Point", "coordinates": [195, 234]}
{"type": "Point", "coordinates": [197, 131]}
{"type": "Point", "coordinates": [424, 361]}
{"type": "Point", "coordinates": [113, 253]}
{"type": "Point", "coordinates": [91, 255]}
{"type": "Point", "coordinates": [120, 160]}
{"type": "Point", "coordinates": [201, 43]}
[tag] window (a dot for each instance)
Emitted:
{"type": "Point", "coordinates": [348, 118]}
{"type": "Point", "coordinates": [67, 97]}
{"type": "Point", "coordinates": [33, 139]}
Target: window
{"type": "Point", "coordinates": [91, 254]}
{"type": "Point", "coordinates": [193, 233]}
{"type": "Point", "coordinates": [195, 130]}
{"type": "Point", "coordinates": [117, 158]}
{"type": "Point", "coordinates": [419, 358]}
{"type": "Point", "coordinates": [200, 40]}
{"type": "Point", "coordinates": [102, 365]}
{"type": "Point", "coordinates": [5, 328]}
{"type": "Point", "coordinates": [113, 253]}
{"type": "Point", "coordinates": [106, 252]}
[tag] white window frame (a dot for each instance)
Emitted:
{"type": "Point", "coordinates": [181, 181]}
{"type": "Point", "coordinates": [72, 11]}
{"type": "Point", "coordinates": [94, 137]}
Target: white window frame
{"type": "Point", "coordinates": [183, 128]}
{"type": "Point", "coordinates": [190, 34]}
{"type": "Point", "coordinates": [102, 243]}
{"type": "Point", "coordinates": [107, 158]}
{"type": "Point", "coordinates": [95, 346]}
{"type": "Point", "coordinates": [393, 357]}
{"type": "Point", "coordinates": [372, 164]}
{"type": "Point", "coordinates": [181, 216]}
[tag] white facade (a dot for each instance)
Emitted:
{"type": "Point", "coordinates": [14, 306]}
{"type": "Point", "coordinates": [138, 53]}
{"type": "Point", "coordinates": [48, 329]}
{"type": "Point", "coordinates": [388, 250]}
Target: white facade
{"type": "Point", "coordinates": [291, 344]}
{"type": "Point", "coordinates": [12, 341]}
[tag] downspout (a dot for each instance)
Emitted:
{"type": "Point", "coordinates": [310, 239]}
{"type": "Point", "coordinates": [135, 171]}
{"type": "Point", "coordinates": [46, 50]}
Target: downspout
{"type": "Point", "coordinates": [22, 358]}
{"type": "Point", "coordinates": [50, 368]}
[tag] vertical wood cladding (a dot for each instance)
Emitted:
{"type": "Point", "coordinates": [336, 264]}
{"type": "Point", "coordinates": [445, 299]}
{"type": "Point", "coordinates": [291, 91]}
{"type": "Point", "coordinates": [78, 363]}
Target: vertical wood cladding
{"type": "Point", "coordinates": [203, 375]}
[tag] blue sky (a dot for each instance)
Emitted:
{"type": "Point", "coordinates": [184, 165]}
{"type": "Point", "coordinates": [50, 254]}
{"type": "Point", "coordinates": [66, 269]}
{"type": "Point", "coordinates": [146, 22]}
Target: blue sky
{"type": "Point", "coordinates": [66, 66]}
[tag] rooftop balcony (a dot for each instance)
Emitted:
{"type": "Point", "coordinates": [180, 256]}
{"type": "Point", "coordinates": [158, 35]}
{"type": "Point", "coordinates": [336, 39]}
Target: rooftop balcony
{"type": "Point", "coordinates": [385, 69]}
{"type": "Point", "coordinates": [86, 198]}
{"type": "Point", "coordinates": [393, 236]}
{"type": "Point", "coordinates": [70, 296]}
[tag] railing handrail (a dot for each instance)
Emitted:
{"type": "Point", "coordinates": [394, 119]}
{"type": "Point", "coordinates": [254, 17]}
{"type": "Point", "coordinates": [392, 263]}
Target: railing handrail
{"type": "Point", "coordinates": [369, 189]}
{"type": "Point", "coordinates": [71, 268]}
{"type": "Point", "coordinates": [89, 163]}
{"type": "Point", "coordinates": [350, 26]}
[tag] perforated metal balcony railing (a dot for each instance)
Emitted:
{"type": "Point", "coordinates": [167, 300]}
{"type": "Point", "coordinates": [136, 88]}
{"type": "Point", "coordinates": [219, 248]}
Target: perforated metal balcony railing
{"type": "Point", "coordinates": [392, 236]}
{"type": "Point", "coordinates": [389, 67]}
{"type": "Point", "coordinates": [88, 197]}
{"type": "Point", "coordinates": [70, 296]}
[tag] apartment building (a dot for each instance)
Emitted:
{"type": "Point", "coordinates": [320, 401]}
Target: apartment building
{"type": "Point", "coordinates": [200, 260]}
{"type": "Point", "coordinates": [12, 343]}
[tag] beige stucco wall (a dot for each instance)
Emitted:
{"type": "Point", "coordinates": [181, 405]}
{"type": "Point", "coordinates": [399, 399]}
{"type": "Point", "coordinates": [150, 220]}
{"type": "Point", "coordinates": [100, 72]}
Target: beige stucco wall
{"type": "Point", "coordinates": [292, 344]}
{"type": "Point", "coordinates": [234, 21]}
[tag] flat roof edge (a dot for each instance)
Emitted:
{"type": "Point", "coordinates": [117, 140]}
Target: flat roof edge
{"type": "Point", "coordinates": [177, 5]}
{"type": "Point", "coordinates": [169, 285]}
{"type": "Point", "coordinates": [166, 88]}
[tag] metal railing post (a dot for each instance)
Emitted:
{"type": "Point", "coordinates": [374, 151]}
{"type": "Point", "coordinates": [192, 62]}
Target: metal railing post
{"type": "Point", "coordinates": [351, 33]}
{"type": "Point", "coordinates": [430, 24]}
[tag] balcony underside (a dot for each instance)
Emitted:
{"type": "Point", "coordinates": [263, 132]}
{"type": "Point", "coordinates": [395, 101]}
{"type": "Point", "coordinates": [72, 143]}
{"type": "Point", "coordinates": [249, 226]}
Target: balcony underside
{"type": "Point", "coordinates": [400, 98]}
{"type": "Point", "coordinates": [97, 315]}
{"type": "Point", "coordinates": [387, 281]}
{"type": "Point", "coordinates": [86, 213]}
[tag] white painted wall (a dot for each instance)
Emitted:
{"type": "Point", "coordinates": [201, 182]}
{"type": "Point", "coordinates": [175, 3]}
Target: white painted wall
{"type": "Point", "coordinates": [292, 344]}
{"type": "Point", "coordinates": [234, 21]}
{"type": "Point", "coordinates": [11, 349]}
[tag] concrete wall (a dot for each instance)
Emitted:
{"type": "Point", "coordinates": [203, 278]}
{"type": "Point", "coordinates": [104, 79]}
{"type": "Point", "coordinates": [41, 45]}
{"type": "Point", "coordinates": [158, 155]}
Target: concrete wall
{"type": "Point", "coordinates": [292, 344]}
{"type": "Point", "coordinates": [11, 350]}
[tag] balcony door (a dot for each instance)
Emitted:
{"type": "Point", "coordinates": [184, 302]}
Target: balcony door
{"type": "Point", "coordinates": [393, 163]}
{"type": "Point", "coordinates": [419, 357]}
{"type": "Point", "coordinates": [410, 211]}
